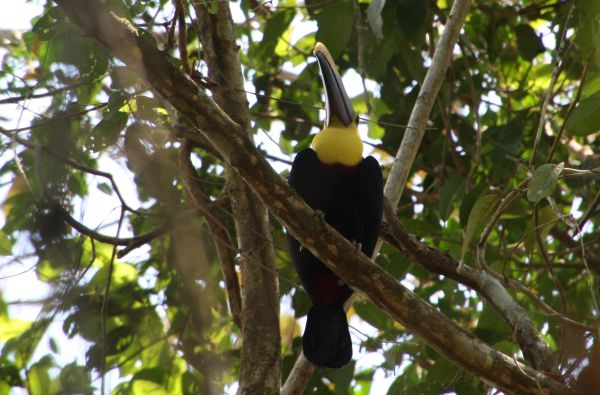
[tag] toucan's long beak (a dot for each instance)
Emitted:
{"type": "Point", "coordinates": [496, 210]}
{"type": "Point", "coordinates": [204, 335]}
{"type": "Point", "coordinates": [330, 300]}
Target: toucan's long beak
{"type": "Point", "coordinates": [337, 102]}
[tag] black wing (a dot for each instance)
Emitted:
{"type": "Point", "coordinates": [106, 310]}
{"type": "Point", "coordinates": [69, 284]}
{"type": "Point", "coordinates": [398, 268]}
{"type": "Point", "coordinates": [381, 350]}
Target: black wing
{"type": "Point", "coordinates": [306, 177]}
{"type": "Point", "coordinates": [369, 204]}
{"type": "Point", "coordinates": [310, 178]}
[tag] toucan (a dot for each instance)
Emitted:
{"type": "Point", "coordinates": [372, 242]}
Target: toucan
{"type": "Point", "coordinates": [347, 189]}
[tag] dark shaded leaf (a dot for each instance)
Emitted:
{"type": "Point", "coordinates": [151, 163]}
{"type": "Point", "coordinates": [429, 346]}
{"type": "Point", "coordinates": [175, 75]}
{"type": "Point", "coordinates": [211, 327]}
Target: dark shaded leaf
{"type": "Point", "coordinates": [529, 43]}
{"type": "Point", "coordinates": [335, 23]}
{"type": "Point", "coordinates": [585, 118]}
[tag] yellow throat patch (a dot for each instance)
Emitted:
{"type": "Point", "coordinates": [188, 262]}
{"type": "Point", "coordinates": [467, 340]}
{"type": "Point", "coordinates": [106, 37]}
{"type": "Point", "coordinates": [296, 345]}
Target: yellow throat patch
{"type": "Point", "coordinates": [338, 144]}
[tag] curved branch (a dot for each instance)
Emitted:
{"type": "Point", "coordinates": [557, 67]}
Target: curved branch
{"type": "Point", "coordinates": [130, 243]}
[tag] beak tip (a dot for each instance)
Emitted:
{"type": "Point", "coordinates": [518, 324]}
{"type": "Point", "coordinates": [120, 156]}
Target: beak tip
{"type": "Point", "coordinates": [319, 47]}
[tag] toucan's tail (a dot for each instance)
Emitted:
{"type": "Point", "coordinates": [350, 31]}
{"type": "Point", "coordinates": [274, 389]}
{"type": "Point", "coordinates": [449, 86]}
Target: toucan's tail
{"type": "Point", "coordinates": [326, 341]}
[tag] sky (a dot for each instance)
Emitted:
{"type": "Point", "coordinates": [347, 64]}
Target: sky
{"type": "Point", "coordinates": [19, 284]}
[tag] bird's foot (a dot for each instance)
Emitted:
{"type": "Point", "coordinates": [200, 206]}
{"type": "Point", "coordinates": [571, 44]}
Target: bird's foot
{"type": "Point", "coordinates": [320, 216]}
{"type": "Point", "coordinates": [357, 245]}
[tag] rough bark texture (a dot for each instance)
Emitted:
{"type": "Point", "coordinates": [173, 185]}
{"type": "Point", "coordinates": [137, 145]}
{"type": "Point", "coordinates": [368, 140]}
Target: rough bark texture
{"type": "Point", "coordinates": [333, 249]}
{"type": "Point", "coordinates": [261, 343]}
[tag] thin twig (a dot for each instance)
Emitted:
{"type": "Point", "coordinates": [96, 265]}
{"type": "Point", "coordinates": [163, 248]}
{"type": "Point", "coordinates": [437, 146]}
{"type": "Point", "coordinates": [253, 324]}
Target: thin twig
{"type": "Point", "coordinates": [569, 112]}
{"type": "Point", "coordinates": [557, 69]}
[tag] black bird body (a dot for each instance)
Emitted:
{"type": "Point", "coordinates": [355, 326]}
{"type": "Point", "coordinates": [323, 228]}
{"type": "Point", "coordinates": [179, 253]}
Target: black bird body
{"type": "Point", "coordinates": [349, 197]}
{"type": "Point", "coordinates": [334, 179]}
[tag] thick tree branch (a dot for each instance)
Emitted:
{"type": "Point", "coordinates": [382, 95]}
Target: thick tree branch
{"type": "Point", "coordinates": [321, 239]}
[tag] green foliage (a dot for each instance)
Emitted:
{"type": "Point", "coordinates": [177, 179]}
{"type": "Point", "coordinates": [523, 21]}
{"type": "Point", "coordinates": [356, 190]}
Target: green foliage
{"type": "Point", "coordinates": [543, 181]}
{"type": "Point", "coordinates": [585, 119]}
{"type": "Point", "coordinates": [92, 117]}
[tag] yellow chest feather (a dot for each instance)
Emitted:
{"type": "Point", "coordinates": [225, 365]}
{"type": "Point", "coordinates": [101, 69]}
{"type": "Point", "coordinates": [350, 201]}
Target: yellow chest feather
{"type": "Point", "coordinates": [339, 144]}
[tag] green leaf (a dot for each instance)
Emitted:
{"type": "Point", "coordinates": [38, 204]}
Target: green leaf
{"type": "Point", "coordinates": [585, 119]}
{"type": "Point", "coordinates": [38, 378]}
{"type": "Point", "coordinates": [340, 378]}
{"type": "Point", "coordinates": [275, 28]}
{"type": "Point", "coordinates": [53, 346]}
{"type": "Point", "coordinates": [156, 375]}
{"type": "Point", "coordinates": [104, 187]}
{"type": "Point", "coordinates": [546, 221]}
{"type": "Point", "coordinates": [491, 328]}
{"type": "Point", "coordinates": [529, 44]}
{"type": "Point", "coordinates": [214, 6]}
{"type": "Point", "coordinates": [372, 314]}
{"type": "Point", "coordinates": [150, 109]}
{"type": "Point", "coordinates": [300, 303]}
{"type": "Point", "coordinates": [543, 181]}
{"type": "Point", "coordinates": [145, 387]}
{"type": "Point", "coordinates": [468, 202]}
{"type": "Point", "coordinates": [75, 379]}
{"type": "Point", "coordinates": [285, 145]}
{"type": "Point", "coordinates": [107, 131]}
{"type": "Point", "coordinates": [479, 216]}
{"type": "Point", "coordinates": [411, 16]}
{"type": "Point", "coordinates": [335, 23]}
{"type": "Point", "coordinates": [5, 244]}
{"type": "Point", "coordinates": [9, 374]}
{"type": "Point", "coordinates": [452, 187]}
{"type": "Point", "coordinates": [45, 26]}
